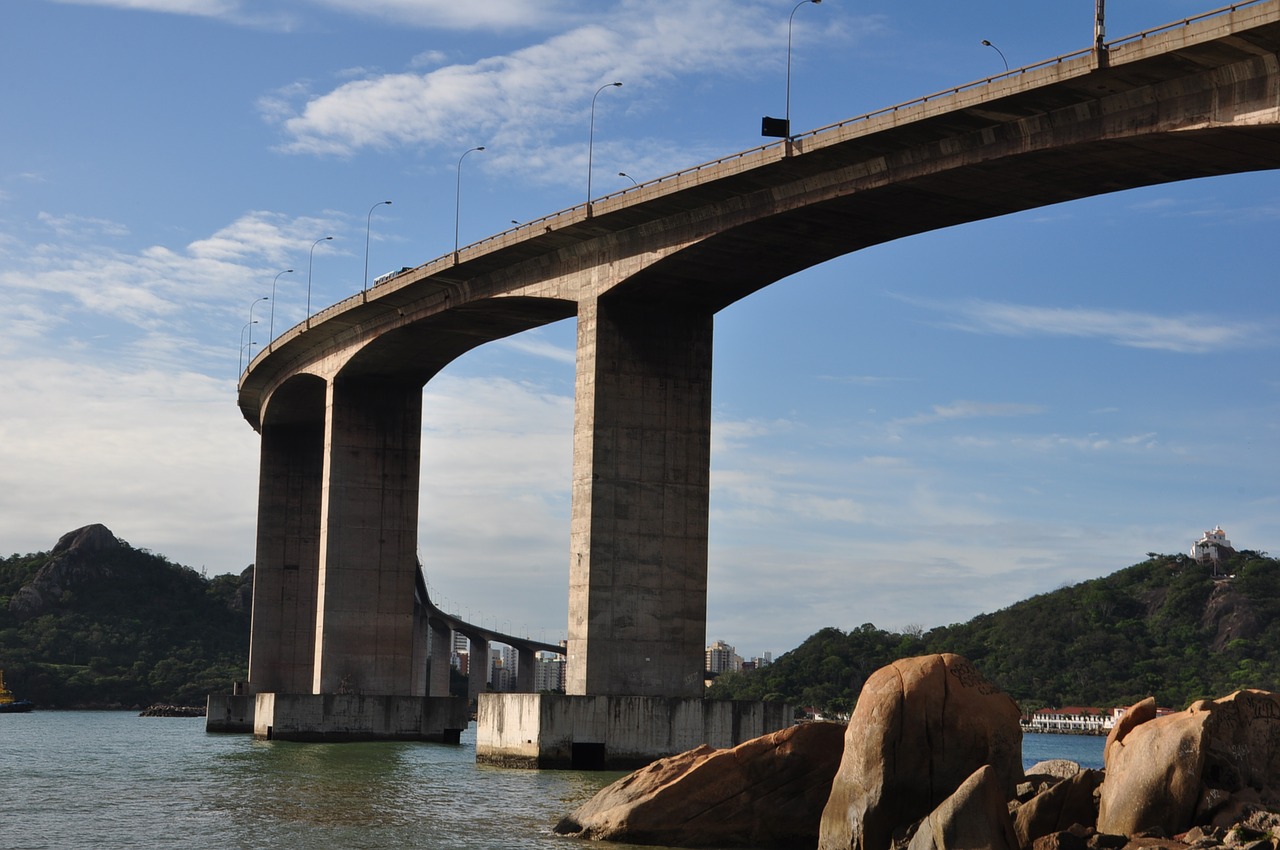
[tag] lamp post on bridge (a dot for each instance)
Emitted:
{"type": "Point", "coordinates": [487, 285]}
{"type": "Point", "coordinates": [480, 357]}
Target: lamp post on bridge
{"type": "Point", "coordinates": [242, 343]}
{"type": "Point", "coordinates": [253, 322]}
{"type": "Point", "coordinates": [634, 181]}
{"type": "Point", "coordinates": [311, 257]}
{"type": "Point", "coordinates": [591, 137]}
{"type": "Point", "coordinates": [271, 330]}
{"type": "Point", "coordinates": [457, 199]}
{"type": "Point", "coordinates": [986, 43]}
{"type": "Point", "coordinates": [368, 224]}
{"type": "Point", "coordinates": [772, 126]}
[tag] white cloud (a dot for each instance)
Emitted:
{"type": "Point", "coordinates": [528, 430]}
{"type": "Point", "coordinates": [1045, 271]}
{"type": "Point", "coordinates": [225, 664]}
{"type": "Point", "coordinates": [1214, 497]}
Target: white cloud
{"type": "Point", "coordinates": [1191, 334]}
{"type": "Point", "coordinates": [68, 226]}
{"type": "Point", "coordinates": [970, 410]}
{"type": "Point", "coordinates": [450, 14]}
{"type": "Point", "coordinates": [534, 344]}
{"type": "Point", "coordinates": [157, 456]}
{"type": "Point", "coordinates": [202, 8]}
{"type": "Point", "coordinates": [516, 103]}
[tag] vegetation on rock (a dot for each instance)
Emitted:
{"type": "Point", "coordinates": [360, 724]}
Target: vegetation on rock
{"type": "Point", "coordinates": [108, 625]}
{"type": "Point", "coordinates": [1166, 627]}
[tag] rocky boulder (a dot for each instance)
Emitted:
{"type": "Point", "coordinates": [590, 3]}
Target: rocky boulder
{"type": "Point", "coordinates": [1171, 773]}
{"type": "Point", "coordinates": [976, 815]}
{"type": "Point", "coordinates": [75, 559]}
{"type": "Point", "coordinates": [922, 727]}
{"type": "Point", "coordinates": [1070, 802]}
{"type": "Point", "coordinates": [766, 792]}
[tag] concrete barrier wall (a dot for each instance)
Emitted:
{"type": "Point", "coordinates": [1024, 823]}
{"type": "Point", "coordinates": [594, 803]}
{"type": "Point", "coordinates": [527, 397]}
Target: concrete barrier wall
{"type": "Point", "coordinates": [612, 732]}
{"type": "Point", "coordinates": [228, 713]}
{"type": "Point", "coordinates": [358, 717]}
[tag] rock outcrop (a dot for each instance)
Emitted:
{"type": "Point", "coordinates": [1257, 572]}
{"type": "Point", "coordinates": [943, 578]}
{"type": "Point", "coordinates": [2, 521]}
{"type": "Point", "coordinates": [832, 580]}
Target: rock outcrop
{"type": "Point", "coordinates": [766, 792]}
{"type": "Point", "coordinates": [921, 728]}
{"type": "Point", "coordinates": [1215, 761]}
{"type": "Point", "coordinates": [1062, 805]}
{"type": "Point", "coordinates": [976, 815]}
{"type": "Point", "coordinates": [75, 559]}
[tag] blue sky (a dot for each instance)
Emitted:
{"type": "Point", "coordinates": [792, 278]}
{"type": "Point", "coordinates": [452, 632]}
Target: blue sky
{"type": "Point", "coordinates": [913, 434]}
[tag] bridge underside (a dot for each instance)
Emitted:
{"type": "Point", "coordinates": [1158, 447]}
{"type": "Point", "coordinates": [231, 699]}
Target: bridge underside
{"type": "Point", "coordinates": [339, 404]}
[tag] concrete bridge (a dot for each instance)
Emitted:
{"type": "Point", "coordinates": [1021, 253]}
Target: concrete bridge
{"type": "Point", "coordinates": [440, 626]}
{"type": "Point", "coordinates": [338, 399]}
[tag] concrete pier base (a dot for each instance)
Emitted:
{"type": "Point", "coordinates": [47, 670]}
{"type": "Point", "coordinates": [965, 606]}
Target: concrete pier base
{"type": "Point", "coordinates": [553, 731]}
{"type": "Point", "coordinates": [359, 717]}
{"type": "Point", "coordinates": [229, 713]}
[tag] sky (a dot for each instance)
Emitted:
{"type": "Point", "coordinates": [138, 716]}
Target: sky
{"type": "Point", "coordinates": [907, 436]}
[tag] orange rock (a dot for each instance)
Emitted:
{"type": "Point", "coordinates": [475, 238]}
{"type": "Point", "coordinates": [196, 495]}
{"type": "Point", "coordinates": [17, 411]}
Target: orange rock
{"type": "Point", "coordinates": [766, 792]}
{"type": "Point", "coordinates": [922, 726]}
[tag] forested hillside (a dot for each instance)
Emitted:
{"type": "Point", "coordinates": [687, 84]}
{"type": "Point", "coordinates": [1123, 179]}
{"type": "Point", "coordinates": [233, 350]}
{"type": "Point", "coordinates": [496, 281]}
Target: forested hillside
{"type": "Point", "coordinates": [98, 623]}
{"type": "Point", "coordinates": [1166, 627]}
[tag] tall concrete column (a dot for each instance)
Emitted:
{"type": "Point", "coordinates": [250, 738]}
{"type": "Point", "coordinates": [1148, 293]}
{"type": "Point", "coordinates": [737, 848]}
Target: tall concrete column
{"type": "Point", "coordinates": [525, 666]}
{"type": "Point", "coordinates": [478, 667]}
{"type": "Point", "coordinates": [441, 658]}
{"type": "Point", "coordinates": [641, 485]}
{"type": "Point", "coordinates": [286, 563]}
{"type": "Point", "coordinates": [365, 636]}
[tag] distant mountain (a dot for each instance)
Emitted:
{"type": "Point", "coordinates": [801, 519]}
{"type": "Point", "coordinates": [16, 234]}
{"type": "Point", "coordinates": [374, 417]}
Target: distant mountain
{"type": "Point", "coordinates": [98, 623]}
{"type": "Point", "coordinates": [1167, 627]}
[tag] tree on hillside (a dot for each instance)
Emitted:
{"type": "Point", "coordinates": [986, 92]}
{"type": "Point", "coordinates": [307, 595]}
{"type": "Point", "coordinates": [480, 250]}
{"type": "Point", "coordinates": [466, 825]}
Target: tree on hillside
{"type": "Point", "coordinates": [1166, 627]}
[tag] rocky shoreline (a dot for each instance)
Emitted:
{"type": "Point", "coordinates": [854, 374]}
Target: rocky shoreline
{"type": "Point", "coordinates": [931, 760]}
{"type": "Point", "coordinates": [173, 711]}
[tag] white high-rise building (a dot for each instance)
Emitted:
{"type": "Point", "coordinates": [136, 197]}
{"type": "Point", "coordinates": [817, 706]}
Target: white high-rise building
{"type": "Point", "coordinates": [548, 672]}
{"type": "Point", "coordinates": [722, 658]}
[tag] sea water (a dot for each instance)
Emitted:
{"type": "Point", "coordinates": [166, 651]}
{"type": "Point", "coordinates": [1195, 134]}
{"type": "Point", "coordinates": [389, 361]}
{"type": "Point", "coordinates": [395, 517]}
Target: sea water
{"type": "Point", "coordinates": [114, 780]}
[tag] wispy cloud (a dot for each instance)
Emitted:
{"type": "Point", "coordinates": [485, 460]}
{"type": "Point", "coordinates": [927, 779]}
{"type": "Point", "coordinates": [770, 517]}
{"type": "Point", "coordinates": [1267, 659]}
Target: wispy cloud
{"type": "Point", "coordinates": [1188, 334]}
{"type": "Point", "coordinates": [964, 409]}
{"type": "Point", "coordinates": [518, 102]}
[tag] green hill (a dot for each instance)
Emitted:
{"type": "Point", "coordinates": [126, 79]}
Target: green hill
{"type": "Point", "coordinates": [1166, 627]}
{"type": "Point", "coordinates": [98, 623]}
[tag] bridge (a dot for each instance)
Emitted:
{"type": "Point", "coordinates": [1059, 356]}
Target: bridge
{"type": "Point", "coordinates": [338, 399]}
{"type": "Point", "coordinates": [441, 625]}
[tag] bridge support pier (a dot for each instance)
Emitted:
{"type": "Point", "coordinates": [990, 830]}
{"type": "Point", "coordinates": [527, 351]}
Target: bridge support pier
{"type": "Point", "coordinates": [612, 732]}
{"type": "Point", "coordinates": [441, 658]}
{"type": "Point", "coordinates": [477, 667]}
{"type": "Point", "coordinates": [365, 636]}
{"type": "Point", "coordinates": [525, 666]}
{"type": "Point", "coordinates": [286, 564]}
{"type": "Point", "coordinates": [641, 493]}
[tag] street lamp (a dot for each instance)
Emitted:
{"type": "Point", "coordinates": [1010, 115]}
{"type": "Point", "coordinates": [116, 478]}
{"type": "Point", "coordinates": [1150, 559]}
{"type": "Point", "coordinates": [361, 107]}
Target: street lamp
{"type": "Point", "coordinates": [271, 331]}
{"type": "Point", "coordinates": [997, 50]}
{"type": "Point", "coordinates": [311, 256]}
{"type": "Point", "coordinates": [591, 136]}
{"type": "Point", "coordinates": [773, 126]}
{"type": "Point", "coordinates": [253, 321]}
{"type": "Point", "coordinates": [242, 345]}
{"type": "Point", "coordinates": [629, 177]}
{"type": "Point", "coordinates": [457, 199]}
{"type": "Point", "coordinates": [368, 223]}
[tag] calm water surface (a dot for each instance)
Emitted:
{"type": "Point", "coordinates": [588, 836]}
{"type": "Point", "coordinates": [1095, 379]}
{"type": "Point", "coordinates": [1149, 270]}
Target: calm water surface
{"type": "Point", "coordinates": [115, 780]}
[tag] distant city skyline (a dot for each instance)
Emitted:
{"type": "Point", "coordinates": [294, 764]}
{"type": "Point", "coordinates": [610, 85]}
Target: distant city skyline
{"type": "Point", "coordinates": [909, 435]}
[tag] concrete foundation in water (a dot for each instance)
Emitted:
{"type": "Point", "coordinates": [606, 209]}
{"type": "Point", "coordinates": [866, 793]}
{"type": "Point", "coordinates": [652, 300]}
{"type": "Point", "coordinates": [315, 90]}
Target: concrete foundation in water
{"type": "Point", "coordinates": [612, 732]}
{"type": "Point", "coordinates": [339, 717]}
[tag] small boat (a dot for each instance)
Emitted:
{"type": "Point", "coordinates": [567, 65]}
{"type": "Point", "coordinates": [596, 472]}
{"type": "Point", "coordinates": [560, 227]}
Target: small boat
{"type": "Point", "coordinates": [9, 704]}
